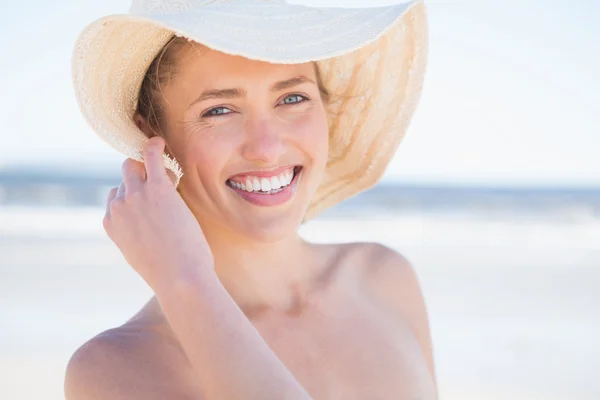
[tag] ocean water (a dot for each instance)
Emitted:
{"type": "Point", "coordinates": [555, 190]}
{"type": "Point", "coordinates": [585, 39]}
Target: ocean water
{"type": "Point", "coordinates": [512, 291]}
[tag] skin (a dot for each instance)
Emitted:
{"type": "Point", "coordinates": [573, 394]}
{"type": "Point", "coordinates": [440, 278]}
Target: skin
{"type": "Point", "coordinates": [278, 317]}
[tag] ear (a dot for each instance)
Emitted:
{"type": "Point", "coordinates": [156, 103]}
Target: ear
{"type": "Point", "coordinates": [143, 125]}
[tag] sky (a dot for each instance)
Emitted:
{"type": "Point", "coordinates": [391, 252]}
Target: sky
{"type": "Point", "coordinates": [511, 95]}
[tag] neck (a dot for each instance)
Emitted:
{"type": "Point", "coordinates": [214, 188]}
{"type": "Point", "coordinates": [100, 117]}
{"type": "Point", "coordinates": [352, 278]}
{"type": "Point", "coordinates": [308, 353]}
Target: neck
{"type": "Point", "coordinates": [262, 275]}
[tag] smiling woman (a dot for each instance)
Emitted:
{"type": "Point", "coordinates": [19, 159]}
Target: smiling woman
{"type": "Point", "coordinates": [184, 68]}
{"type": "Point", "coordinates": [235, 121]}
{"type": "Point", "coordinates": [262, 131]}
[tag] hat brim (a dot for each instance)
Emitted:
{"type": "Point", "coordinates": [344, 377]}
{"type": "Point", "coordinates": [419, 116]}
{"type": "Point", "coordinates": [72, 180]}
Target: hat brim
{"type": "Point", "coordinates": [279, 32]}
{"type": "Point", "coordinates": [112, 55]}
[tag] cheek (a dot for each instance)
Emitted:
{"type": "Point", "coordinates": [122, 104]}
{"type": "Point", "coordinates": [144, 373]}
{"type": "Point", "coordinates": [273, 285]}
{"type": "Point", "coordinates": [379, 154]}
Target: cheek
{"type": "Point", "coordinates": [308, 125]}
{"type": "Point", "coordinates": [312, 133]}
{"type": "Point", "coordinates": [206, 153]}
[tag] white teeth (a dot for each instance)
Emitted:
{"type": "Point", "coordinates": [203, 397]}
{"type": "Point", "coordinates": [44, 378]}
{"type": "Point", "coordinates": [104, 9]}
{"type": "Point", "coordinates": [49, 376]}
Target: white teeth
{"type": "Point", "coordinates": [265, 184]}
{"type": "Point", "coordinates": [255, 184]}
{"type": "Point", "coordinates": [275, 184]}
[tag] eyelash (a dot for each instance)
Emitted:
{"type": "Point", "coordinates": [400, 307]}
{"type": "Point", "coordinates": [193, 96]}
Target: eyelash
{"type": "Point", "coordinates": [303, 98]}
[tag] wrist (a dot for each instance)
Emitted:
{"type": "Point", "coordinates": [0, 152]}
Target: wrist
{"type": "Point", "coordinates": [186, 276]}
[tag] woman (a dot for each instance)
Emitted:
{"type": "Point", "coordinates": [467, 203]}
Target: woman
{"type": "Point", "coordinates": [264, 114]}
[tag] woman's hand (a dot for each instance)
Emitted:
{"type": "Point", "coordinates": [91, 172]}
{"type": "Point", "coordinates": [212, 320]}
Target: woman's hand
{"type": "Point", "coordinates": [163, 242]}
{"type": "Point", "coordinates": [151, 224]}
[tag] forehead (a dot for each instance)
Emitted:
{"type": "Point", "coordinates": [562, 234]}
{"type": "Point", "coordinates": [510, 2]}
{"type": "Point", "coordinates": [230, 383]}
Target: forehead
{"type": "Point", "coordinates": [201, 63]}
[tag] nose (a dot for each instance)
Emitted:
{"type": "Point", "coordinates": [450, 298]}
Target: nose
{"type": "Point", "coordinates": [263, 142]}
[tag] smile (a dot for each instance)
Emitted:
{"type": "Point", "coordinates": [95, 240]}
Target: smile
{"type": "Point", "coordinates": [267, 190]}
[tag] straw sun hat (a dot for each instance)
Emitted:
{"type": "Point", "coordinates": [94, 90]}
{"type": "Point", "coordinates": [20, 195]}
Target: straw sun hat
{"type": "Point", "coordinates": [372, 61]}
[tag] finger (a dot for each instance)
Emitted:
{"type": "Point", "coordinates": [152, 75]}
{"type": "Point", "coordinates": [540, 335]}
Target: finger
{"type": "Point", "coordinates": [122, 190]}
{"type": "Point", "coordinates": [172, 176]}
{"type": "Point", "coordinates": [134, 174]}
{"type": "Point", "coordinates": [111, 196]}
{"type": "Point", "coordinates": [153, 160]}
{"type": "Point", "coordinates": [171, 173]}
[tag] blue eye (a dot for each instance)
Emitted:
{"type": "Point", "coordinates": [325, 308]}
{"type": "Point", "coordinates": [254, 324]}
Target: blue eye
{"type": "Point", "coordinates": [294, 99]}
{"type": "Point", "coordinates": [217, 111]}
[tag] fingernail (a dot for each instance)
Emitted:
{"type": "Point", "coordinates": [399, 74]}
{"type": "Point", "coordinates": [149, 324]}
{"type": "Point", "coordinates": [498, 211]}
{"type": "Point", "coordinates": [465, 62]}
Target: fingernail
{"type": "Point", "coordinates": [152, 147]}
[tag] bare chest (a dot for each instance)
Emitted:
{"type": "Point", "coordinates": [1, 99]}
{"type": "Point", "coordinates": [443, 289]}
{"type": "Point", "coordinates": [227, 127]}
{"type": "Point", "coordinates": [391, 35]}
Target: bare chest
{"type": "Point", "coordinates": [341, 347]}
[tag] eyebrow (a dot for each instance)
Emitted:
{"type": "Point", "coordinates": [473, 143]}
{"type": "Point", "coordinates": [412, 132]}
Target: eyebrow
{"type": "Point", "coordinates": [289, 83]}
{"type": "Point", "coordinates": [212, 94]}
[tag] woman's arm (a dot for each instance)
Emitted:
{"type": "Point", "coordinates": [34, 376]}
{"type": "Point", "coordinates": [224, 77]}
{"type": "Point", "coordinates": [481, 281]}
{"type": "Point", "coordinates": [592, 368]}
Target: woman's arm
{"type": "Point", "coordinates": [162, 241]}
{"type": "Point", "coordinates": [229, 356]}
{"type": "Point", "coordinates": [230, 359]}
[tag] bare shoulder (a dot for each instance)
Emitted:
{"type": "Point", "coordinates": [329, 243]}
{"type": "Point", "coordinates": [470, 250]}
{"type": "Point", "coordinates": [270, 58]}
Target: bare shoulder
{"type": "Point", "coordinates": [373, 264]}
{"type": "Point", "coordinates": [129, 362]}
{"type": "Point", "coordinates": [383, 270]}
{"type": "Point", "coordinates": [389, 281]}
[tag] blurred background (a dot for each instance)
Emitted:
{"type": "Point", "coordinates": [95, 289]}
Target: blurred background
{"type": "Point", "coordinates": [494, 196]}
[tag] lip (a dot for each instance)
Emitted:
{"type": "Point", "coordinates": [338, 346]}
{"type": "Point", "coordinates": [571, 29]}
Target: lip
{"type": "Point", "coordinates": [264, 174]}
{"type": "Point", "coordinates": [270, 200]}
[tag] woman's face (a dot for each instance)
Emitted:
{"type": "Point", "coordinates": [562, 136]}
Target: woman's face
{"type": "Point", "coordinates": [240, 128]}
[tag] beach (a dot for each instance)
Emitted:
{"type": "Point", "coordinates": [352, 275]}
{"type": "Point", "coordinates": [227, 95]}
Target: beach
{"type": "Point", "coordinates": [513, 301]}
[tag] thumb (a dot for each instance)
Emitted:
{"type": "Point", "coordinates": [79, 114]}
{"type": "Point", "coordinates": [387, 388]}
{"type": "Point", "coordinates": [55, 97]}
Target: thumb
{"type": "Point", "coordinates": [172, 176]}
{"type": "Point", "coordinates": [153, 160]}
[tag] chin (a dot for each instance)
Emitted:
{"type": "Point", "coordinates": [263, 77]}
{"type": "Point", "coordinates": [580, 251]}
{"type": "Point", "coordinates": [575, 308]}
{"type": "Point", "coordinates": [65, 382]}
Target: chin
{"type": "Point", "coordinates": [270, 228]}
